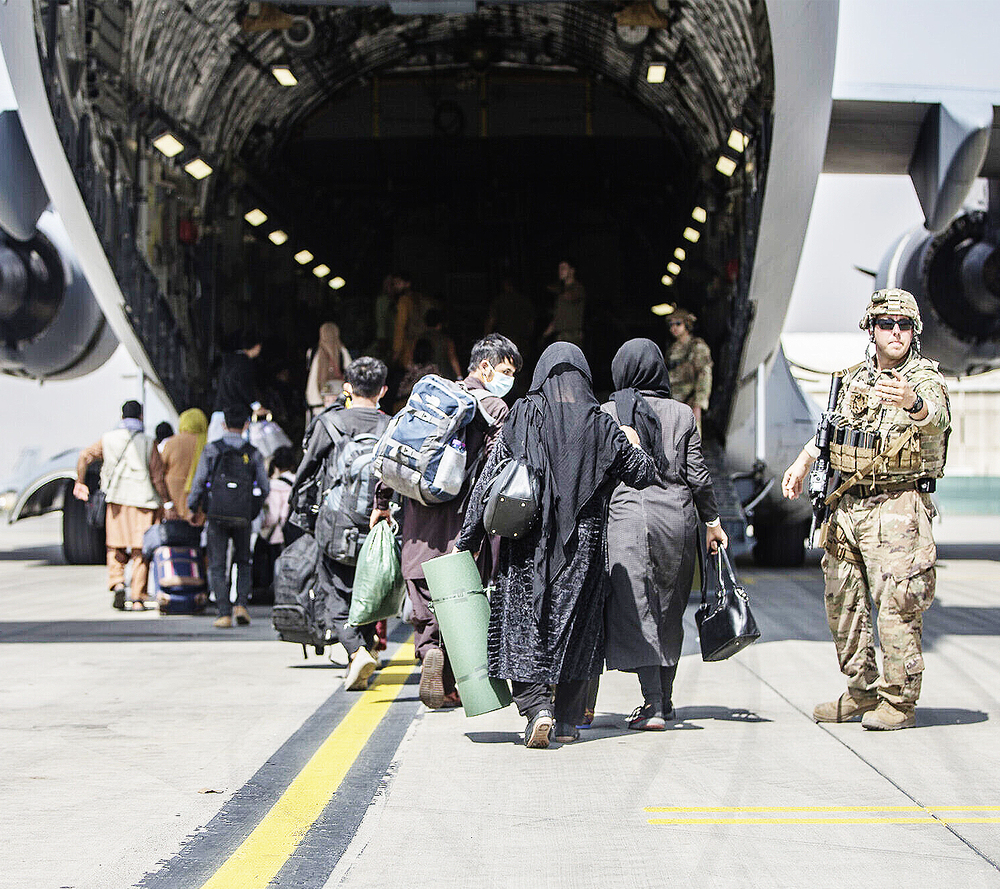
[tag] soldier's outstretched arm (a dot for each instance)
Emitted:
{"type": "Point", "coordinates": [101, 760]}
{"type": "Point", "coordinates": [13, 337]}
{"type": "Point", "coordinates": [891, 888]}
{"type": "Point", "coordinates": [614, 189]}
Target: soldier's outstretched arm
{"type": "Point", "coordinates": [791, 482]}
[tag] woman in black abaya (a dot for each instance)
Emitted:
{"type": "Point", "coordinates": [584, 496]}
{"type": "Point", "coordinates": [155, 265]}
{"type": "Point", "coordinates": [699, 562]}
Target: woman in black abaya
{"type": "Point", "coordinates": [652, 533]}
{"type": "Point", "coordinates": [546, 613]}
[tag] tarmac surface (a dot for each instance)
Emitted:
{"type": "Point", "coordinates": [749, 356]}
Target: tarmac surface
{"type": "Point", "coordinates": [151, 751]}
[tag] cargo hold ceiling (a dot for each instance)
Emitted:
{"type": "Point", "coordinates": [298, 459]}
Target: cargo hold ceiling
{"type": "Point", "coordinates": [207, 67]}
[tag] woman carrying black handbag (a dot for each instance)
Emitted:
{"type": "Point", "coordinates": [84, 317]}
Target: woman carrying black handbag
{"type": "Point", "coordinates": [546, 612]}
{"type": "Point", "coordinates": [652, 534]}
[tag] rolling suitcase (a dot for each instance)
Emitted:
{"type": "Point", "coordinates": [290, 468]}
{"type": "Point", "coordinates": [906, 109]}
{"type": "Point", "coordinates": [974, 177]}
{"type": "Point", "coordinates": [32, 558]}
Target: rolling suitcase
{"type": "Point", "coordinates": [171, 532]}
{"type": "Point", "coordinates": [179, 578]}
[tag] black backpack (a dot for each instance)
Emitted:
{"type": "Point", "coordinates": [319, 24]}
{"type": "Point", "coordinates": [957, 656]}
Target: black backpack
{"type": "Point", "coordinates": [232, 486]}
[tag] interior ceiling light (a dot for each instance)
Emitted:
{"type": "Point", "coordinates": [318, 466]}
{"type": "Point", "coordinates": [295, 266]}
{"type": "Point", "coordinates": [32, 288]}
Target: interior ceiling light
{"type": "Point", "coordinates": [255, 217]}
{"type": "Point", "coordinates": [168, 144]}
{"type": "Point", "coordinates": [663, 308]}
{"type": "Point", "coordinates": [303, 256]}
{"type": "Point", "coordinates": [277, 237]}
{"type": "Point", "coordinates": [197, 169]}
{"type": "Point", "coordinates": [725, 165]}
{"type": "Point", "coordinates": [337, 282]}
{"type": "Point", "coordinates": [692, 234]}
{"type": "Point", "coordinates": [738, 140]}
{"type": "Point", "coordinates": [321, 271]}
{"type": "Point", "coordinates": [680, 254]}
{"type": "Point", "coordinates": [656, 73]}
{"type": "Point", "coordinates": [673, 268]}
{"type": "Point", "coordinates": [666, 281]}
{"type": "Point", "coordinates": [283, 74]}
{"type": "Point", "coordinates": [698, 214]}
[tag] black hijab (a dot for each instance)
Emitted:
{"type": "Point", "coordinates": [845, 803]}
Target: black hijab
{"type": "Point", "coordinates": [560, 431]}
{"type": "Point", "coordinates": [639, 370]}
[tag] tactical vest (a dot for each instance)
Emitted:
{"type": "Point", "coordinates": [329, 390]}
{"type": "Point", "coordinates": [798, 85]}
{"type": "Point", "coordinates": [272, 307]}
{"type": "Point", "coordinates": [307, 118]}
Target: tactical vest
{"type": "Point", "coordinates": [865, 427]}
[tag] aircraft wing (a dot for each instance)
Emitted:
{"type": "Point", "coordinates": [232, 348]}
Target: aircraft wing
{"type": "Point", "coordinates": [943, 140]}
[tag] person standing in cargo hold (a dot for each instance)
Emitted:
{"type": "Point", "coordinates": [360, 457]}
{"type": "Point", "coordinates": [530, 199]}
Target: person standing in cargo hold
{"type": "Point", "coordinates": [889, 443]}
{"type": "Point", "coordinates": [431, 531]}
{"type": "Point", "coordinates": [690, 362]}
{"type": "Point", "coordinates": [133, 481]}
{"type": "Point", "coordinates": [547, 608]}
{"type": "Point", "coordinates": [571, 303]}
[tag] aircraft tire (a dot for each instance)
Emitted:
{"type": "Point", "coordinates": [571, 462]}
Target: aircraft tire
{"type": "Point", "coordinates": [82, 544]}
{"type": "Point", "coordinates": [781, 545]}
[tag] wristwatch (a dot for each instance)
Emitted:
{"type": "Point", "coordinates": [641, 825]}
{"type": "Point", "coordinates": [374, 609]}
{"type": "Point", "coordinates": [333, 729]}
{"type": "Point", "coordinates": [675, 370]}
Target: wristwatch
{"type": "Point", "coordinates": [918, 406]}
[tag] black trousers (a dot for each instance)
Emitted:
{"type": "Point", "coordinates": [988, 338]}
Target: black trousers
{"type": "Point", "coordinates": [218, 534]}
{"type": "Point", "coordinates": [570, 699]}
{"type": "Point", "coordinates": [336, 583]}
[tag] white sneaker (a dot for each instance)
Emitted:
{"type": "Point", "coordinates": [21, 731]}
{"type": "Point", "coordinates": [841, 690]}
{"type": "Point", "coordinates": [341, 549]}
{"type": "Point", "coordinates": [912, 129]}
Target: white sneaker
{"type": "Point", "coordinates": [338, 655]}
{"type": "Point", "coordinates": [362, 666]}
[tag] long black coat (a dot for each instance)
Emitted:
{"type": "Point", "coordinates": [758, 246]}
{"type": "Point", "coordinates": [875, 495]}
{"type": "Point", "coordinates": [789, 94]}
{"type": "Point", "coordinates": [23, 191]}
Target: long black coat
{"type": "Point", "coordinates": [568, 642]}
{"type": "Point", "coordinates": [652, 536]}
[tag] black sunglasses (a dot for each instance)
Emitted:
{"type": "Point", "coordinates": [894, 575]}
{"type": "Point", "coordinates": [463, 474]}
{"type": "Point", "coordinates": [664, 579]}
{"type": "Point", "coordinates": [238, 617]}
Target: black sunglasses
{"type": "Point", "coordinates": [890, 323]}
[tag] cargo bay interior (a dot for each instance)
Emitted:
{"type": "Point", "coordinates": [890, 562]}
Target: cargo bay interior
{"type": "Point", "coordinates": [468, 147]}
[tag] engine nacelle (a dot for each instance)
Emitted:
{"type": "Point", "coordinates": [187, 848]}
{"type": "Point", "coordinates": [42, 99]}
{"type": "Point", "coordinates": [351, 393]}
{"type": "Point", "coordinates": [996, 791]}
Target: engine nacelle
{"type": "Point", "coordinates": [51, 327]}
{"type": "Point", "coordinates": [955, 277]}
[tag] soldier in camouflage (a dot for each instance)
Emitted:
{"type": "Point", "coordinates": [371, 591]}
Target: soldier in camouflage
{"type": "Point", "coordinates": [690, 363]}
{"type": "Point", "coordinates": [893, 421]}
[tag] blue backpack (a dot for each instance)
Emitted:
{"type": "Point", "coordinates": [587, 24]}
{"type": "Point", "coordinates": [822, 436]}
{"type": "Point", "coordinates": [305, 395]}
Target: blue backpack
{"type": "Point", "coordinates": [422, 453]}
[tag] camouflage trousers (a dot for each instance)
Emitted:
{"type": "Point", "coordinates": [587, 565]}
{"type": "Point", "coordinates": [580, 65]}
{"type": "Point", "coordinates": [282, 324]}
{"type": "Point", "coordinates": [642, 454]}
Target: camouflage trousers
{"type": "Point", "coordinates": [880, 555]}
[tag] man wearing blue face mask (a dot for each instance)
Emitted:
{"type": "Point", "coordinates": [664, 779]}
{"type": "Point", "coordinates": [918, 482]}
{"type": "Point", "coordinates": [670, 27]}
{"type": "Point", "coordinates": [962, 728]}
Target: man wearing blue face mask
{"type": "Point", "coordinates": [431, 531]}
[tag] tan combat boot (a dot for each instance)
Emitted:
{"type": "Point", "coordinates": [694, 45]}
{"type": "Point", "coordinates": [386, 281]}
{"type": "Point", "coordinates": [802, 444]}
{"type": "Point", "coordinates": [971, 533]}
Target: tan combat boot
{"type": "Point", "coordinates": [889, 717]}
{"type": "Point", "coordinates": [848, 707]}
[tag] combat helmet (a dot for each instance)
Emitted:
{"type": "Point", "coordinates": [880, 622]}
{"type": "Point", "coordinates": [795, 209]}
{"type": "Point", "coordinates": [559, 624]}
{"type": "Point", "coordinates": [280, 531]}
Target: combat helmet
{"type": "Point", "coordinates": [681, 314]}
{"type": "Point", "coordinates": [892, 302]}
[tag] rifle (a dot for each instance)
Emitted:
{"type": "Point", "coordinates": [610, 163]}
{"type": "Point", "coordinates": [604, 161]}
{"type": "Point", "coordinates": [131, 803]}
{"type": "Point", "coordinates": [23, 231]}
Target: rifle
{"type": "Point", "coordinates": [821, 472]}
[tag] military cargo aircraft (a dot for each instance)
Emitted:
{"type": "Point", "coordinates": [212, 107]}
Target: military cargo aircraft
{"type": "Point", "coordinates": [224, 167]}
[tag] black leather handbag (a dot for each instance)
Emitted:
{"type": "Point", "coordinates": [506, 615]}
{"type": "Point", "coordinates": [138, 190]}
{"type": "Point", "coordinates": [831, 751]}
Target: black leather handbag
{"type": "Point", "coordinates": [727, 625]}
{"type": "Point", "coordinates": [97, 509]}
{"type": "Point", "coordinates": [513, 501]}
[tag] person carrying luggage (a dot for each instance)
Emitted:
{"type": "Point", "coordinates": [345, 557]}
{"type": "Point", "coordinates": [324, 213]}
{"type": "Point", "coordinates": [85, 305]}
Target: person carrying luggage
{"type": "Point", "coordinates": [228, 490]}
{"type": "Point", "coordinates": [133, 480]}
{"type": "Point", "coordinates": [339, 454]}
{"type": "Point", "coordinates": [431, 530]}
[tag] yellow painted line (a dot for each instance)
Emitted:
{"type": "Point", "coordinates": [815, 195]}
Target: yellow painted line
{"type": "Point", "coordinates": [926, 820]}
{"type": "Point", "coordinates": [262, 854]}
{"type": "Point", "coordinates": [822, 808]}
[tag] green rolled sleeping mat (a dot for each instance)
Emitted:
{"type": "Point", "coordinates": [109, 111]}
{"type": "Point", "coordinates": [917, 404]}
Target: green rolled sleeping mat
{"type": "Point", "coordinates": [463, 613]}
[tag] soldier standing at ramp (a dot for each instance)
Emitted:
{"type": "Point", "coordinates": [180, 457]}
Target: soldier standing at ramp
{"type": "Point", "coordinates": [889, 446]}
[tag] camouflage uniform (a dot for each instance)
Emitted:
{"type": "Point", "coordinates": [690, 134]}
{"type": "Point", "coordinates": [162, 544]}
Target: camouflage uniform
{"type": "Point", "coordinates": [690, 367]}
{"type": "Point", "coordinates": [879, 547]}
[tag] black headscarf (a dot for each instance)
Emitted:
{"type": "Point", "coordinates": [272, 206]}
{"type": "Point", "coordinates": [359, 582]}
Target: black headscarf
{"type": "Point", "coordinates": [638, 370]}
{"type": "Point", "coordinates": [560, 431]}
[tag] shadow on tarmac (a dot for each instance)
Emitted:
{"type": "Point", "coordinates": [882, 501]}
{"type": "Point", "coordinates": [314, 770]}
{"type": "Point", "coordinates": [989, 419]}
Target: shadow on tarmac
{"type": "Point", "coordinates": [42, 556]}
{"type": "Point", "coordinates": [931, 716]}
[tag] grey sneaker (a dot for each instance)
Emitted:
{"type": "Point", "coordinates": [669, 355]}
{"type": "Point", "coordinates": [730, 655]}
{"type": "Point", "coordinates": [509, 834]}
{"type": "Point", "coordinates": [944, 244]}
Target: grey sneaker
{"type": "Point", "coordinates": [536, 734]}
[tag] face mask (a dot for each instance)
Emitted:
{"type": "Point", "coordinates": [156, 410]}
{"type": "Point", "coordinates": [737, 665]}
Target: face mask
{"type": "Point", "coordinates": [500, 385]}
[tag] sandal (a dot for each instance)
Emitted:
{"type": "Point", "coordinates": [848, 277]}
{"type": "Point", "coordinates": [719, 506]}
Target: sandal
{"type": "Point", "coordinates": [135, 605]}
{"type": "Point", "coordinates": [118, 597]}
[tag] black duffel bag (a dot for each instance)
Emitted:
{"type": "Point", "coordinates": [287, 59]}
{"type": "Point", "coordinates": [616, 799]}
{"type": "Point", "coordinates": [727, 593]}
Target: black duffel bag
{"type": "Point", "coordinates": [171, 532]}
{"type": "Point", "coordinates": [727, 625]}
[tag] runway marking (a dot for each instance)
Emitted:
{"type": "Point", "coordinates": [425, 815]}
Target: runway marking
{"type": "Point", "coordinates": [270, 845]}
{"type": "Point", "coordinates": [927, 815]}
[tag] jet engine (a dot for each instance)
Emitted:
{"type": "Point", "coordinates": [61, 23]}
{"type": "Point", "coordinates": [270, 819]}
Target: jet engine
{"type": "Point", "coordinates": [50, 324]}
{"type": "Point", "coordinates": [51, 327]}
{"type": "Point", "coordinates": [955, 277]}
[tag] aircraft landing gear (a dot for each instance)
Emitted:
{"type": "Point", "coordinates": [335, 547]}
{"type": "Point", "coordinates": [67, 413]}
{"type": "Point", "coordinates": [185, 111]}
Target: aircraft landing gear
{"type": "Point", "coordinates": [781, 544]}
